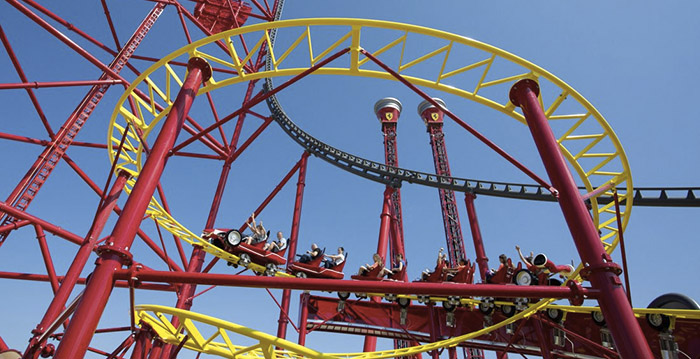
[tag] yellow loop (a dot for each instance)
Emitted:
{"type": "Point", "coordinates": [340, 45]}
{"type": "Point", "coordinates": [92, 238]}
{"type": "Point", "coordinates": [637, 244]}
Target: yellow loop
{"type": "Point", "coordinates": [588, 142]}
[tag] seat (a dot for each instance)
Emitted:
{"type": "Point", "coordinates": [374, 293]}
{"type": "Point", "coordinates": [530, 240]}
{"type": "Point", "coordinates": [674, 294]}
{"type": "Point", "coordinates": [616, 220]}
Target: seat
{"type": "Point", "coordinates": [339, 267]}
{"type": "Point", "coordinates": [505, 273]}
{"type": "Point", "coordinates": [10, 354]}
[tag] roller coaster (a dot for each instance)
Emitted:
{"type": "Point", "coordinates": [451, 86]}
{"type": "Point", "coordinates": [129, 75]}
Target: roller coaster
{"type": "Point", "coordinates": [460, 308]}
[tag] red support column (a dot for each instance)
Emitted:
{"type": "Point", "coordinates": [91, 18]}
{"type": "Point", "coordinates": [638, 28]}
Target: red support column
{"type": "Point", "coordinates": [481, 259]}
{"type": "Point", "coordinates": [156, 349]}
{"type": "Point", "coordinates": [600, 269]}
{"type": "Point", "coordinates": [434, 329]}
{"type": "Point", "coordinates": [292, 243]}
{"type": "Point", "coordinates": [370, 344]}
{"type": "Point", "coordinates": [432, 117]}
{"type": "Point", "coordinates": [116, 253]}
{"type": "Point", "coordinates": [385, 224]}
{"type": "Point", "coordinates": [81, 257]}
{"type": "Point", "coordinates": [142, 344]}
{"type": "Point", "coordinates": [388, 111]}
{"type": "Point", "coordinates": [44, 247]}
{"type": "Point", "coordinates": [452, 352]}
{"type": "Point", "coordinates": [543, 338]}
{"type": "Point", "coordinates": [303, 316]}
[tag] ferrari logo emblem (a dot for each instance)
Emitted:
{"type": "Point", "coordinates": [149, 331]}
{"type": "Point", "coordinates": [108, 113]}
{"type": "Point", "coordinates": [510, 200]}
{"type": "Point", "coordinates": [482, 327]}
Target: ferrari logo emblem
{"type": "Point", "coordinates": [435, 116]}
{"type": "Point", "coordinates": [389, 116]}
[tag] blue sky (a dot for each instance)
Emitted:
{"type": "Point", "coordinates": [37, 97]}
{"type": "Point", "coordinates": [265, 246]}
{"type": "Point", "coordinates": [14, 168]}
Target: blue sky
{"type": "Point", "coordinates": [636, 62]}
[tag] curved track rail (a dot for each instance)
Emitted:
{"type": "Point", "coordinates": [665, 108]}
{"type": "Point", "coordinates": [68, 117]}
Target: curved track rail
{"type": "Point", "coordinates": [395, 176]}
{"type": "Point", "coordinates": [209, 335]}
{"type": "Point", "coordinates": [190, 334]}
{"type": "Point", "coordinates": [596, 153]}
{"type": "Point", "coordinates": [589, 144]}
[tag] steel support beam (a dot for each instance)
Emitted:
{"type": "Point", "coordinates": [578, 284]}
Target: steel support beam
{"type": "Point", "coordinates": [359, 286]}
{"type": "Point", "coordinates": [116, 253]}
{"type": "Point", "coordinates": [481, 259]}
{"type": "Point", "coordinates": [602, 272]}
{"type": "Point", "coordinates": [292, 244]}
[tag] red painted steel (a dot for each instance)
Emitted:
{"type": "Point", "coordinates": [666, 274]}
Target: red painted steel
{"type": "Point", "coordinates": [111, 24]}
{"type": "Point", "coordinates": [459, 121]}
{"type": "Point", "coordinates": [481, 259]}
{"type": "Point", "coordinates": [35, 178]}
{"type": "Point", "coordinates": [156, 350]}
{"type": "Point", "coordinates": [543, 338]}
{"type": "Point", "coordinates": [116, 252]}
{"type": "Point", "coordinates": [623, 252]}
{"type": "Point", "coordinates": [260, 98]}
{"type": "Point", "coordinates": [613, 301]}
{"type": "Point", "coordinates": [143, 344]}
{"type": "Point", "coordinates": [81, 280]}
{"type": "Point", "coordinates": [383, 320]}
{"type": "Point", "coordinates": [433, 329]}
{"type": "Point", "coordinates": [23, 77]}
{"type": "Point", "coordinates": [360, 286]}
{"type": "Point", "coordinates": [303, 316]}
{"type": "Point", "coordinates": [292, 244]}
{"type": "Point", "coordinates": [385, 226]}
{"type": "Point", "coordinates": [18, 224]}
{"type": "Point", "coordinates": [432, 116]}
{"type": "Point", "coordinates": [69, 26]}
{"type": "Point", "coordinates": [370, 344]}
{"type": "Point", "coordinates": [452, 352]}
{"type": "Point", "coordinates": [36, 85]}
{"type": "Point", "coordinates": [221, 15]}
{"type": "Point", "coordinates": [388, 111]}
{"type": "Point", "coordinates": [71, 237]}
{"type": "Point", "coordinates": [159, 252]}
{"type": "Point", "coordinates": [48, 262]}
{"type": "Point", "coordinates": [262, 206]}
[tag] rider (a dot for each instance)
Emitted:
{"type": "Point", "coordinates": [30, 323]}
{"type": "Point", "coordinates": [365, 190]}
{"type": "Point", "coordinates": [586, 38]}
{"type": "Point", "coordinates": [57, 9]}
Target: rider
{"type": "Point", "coordinates": [451, 272]}
{"type": "Point", "coordinates": [277, 246]}
{"type": "Point", "coordinates": [540, 264]}
{"type": "Point", "coordinates": [259, 232]}
{"type": "Point", "coordinates": [441, 262]}
{"type": "Point", "coordinates": [310, 254]}
{"type": "Point", "coordinates": [397, 266]}
{"type": "Point", "coordinates": [377, 262]}
{"type": "Point", "coordinates": [333, 260]}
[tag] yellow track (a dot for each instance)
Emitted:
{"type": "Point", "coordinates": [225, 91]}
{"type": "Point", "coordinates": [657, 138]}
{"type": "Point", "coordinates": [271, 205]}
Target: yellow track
{"type": "Point", "coordinates": [585, 138]}
{"type": "Point", "coordinates": [215, 336]}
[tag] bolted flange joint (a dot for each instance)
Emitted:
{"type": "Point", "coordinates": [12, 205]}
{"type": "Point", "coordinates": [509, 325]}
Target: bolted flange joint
{"type": "Point", "coordinates": [606, 266]}
{"type": "Point", "coordinates": [521, 86]}
{"type": "Point", "coordinates": [577, 290]}
{"type": "Point", "coordinates": [123, 253]}
{"type": "Point", "coordinates": [202, 65]}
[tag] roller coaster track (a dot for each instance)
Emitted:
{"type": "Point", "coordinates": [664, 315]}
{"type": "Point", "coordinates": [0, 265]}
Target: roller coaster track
{"type": "Point", "coordinates": [210, 335]}
{"type": "Point", "coordinates": [600, 169]}
{"type": "Point", "coordinates": [199, 332]}
{"type": "Point", "coordinates": [589, 144]}
{"type": "Point", "coordinates": [388, 175]}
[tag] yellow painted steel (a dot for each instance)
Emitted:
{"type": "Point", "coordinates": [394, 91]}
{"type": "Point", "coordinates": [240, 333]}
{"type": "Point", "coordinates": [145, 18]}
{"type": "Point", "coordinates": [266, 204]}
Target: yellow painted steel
{"type": "Point", "coordinates": [206, 334]}
{"type": "Point", "coordinates": [193, 325]}
{"type": "Point", "coordinates": [211, 335]}
{"type": "Point", "coordinates": [589, 144]}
